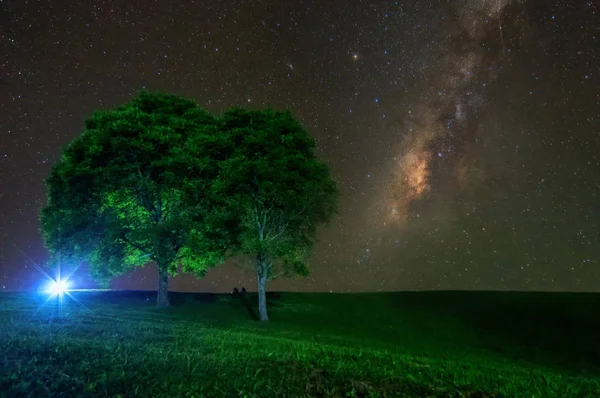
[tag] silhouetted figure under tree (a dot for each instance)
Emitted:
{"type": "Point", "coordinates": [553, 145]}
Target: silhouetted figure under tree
{"type": "Point", "coordinates": [242, 296]}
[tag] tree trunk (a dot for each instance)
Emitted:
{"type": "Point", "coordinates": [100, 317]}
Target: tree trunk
{"type": "Point", "coordinates": [162, 299]}
{"type": "Point", "coordinates": [261, 277]}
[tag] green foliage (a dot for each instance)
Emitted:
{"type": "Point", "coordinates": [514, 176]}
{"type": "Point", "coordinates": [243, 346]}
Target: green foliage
{"type": "Point", "coordinates": [427, 344]}
{"type": "Point", "coordinates": [133, 188]}
{"type": "Point", "coordinates": [273, 183]}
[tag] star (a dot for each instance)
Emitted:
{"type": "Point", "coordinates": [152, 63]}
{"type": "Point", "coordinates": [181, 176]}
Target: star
{"type": "Point", "coordinates": [436, 102]}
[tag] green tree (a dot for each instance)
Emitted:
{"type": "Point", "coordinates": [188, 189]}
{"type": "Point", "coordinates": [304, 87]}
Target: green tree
{"type": "Point", "coordinates": [278, 189]}
{"type": "Point", "coordinates": [133, 189]}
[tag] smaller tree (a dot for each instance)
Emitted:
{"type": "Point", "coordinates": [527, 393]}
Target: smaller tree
{"type": "Point", "coordinates": [278, 190]}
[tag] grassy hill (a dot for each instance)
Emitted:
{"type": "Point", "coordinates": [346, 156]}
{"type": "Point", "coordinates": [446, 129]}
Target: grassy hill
{"type": "Point", "coordinates": [436, 344]}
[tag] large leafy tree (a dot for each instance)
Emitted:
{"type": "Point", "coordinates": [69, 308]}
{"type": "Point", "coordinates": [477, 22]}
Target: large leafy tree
{"type": "Point", "coordinates": [278, 189]}
{"type": "Point", "coordinates": [133, 188]}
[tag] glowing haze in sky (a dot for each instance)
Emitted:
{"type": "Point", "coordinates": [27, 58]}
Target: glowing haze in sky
{"type": "Point", "coordinates": [464, 134]}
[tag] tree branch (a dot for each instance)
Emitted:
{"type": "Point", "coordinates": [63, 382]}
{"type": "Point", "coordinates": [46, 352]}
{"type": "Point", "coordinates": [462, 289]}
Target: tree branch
{"type": "Point", "coordinates": [158, 210]}
{"type": "Point", "coordinates": [257, 221]}
{"type": "Point", "coordinates": [283, 226]}
{"type": "Point", "coordinates": [282, 230]}
{"type": "Point", "coordinates": [133, 244]}
{"type": "Point", "coordinates": [276, 276]}
{"type": "Point", "coordinates": [146, 199]}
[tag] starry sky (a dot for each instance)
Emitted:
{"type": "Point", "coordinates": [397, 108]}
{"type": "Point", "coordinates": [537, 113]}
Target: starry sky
{"type": "Point", "coordinates": [465, 135]}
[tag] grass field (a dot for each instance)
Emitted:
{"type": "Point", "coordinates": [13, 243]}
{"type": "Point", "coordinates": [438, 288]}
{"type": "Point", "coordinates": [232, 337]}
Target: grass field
{"type": "Point", "coordinates": [426, 344]}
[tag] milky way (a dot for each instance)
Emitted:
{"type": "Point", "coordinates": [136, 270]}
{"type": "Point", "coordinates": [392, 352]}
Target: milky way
{"type": "Point", "coordinates": [471, 51]}
{"type": "Point", "coordinates": [442, 168]}
{"type": "Point", "coordinates": [464, 134]}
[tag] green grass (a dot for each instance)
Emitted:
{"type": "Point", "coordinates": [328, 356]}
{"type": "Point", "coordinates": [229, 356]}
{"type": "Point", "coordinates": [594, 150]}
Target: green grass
{"type": "Point", "coordinates": [427, 344]}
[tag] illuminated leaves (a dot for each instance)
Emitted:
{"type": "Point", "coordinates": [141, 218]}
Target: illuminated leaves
{"type": "Point", "coordinates": [130, 189]}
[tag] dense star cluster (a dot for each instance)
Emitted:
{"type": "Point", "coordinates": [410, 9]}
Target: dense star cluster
{"type": "Point", "coordinates": [464, 135]}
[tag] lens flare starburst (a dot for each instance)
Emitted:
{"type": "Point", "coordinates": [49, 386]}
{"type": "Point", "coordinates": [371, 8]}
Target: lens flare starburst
{"type": "Point", "coordinates": [58, 287]}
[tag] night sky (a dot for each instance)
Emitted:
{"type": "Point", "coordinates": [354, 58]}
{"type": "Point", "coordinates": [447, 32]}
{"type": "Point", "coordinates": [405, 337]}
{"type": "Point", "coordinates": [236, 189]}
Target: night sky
{"type": "Point", "coordinates": [464, 134]}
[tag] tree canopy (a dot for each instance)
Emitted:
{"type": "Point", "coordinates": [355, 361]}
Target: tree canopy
{"type": "Point", "coordinates": [160, 179]}
{"type": "Point", "coordinates": [277, 189]}
{"type": "Point", "coordinates": [135, 188]}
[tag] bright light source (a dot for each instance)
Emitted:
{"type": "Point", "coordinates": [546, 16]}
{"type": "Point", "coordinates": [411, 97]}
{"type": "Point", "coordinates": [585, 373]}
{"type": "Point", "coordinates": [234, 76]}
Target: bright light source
{"type": "Point", "coordinates": [58, 287]}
